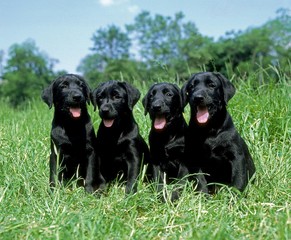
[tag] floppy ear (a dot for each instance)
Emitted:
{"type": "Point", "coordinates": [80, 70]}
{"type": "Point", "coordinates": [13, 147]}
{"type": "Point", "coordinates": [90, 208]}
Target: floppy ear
{"type": "Point", "coordinates": [228, 87]}
{"type": "Point", "coordinates": [182, 104]}
{"type": "Point", "coordinates": [95, 93]}
{"type": "Point", "coordinates": [47, 95]}
{"type": "Point", "coordinates": [88, 93]}
{"type": "Point", "coordinates": [145, 103]}
{"type": "Point", "coordinates": [93, 96]}
{"type": "Point", "coordinates": [133, 94]}
{"type": "Point", "coordinates": [184, 95]}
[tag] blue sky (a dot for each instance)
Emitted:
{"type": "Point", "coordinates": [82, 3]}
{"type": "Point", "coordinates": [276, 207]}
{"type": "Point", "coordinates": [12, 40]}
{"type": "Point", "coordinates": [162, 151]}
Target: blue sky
{"type": "Point", "coordinates": [63, 28]}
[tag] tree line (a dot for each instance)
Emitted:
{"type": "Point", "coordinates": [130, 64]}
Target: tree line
{"type": "Point", "coordinates": [155, 48]}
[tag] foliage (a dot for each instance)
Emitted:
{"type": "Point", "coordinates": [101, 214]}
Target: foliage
{"type": "Point", "coordinates": [30, 211]}
{"type": "Point", "coordinates": [245, 52]}
{"type": "Point", "coordinates": [156, 48]}
{"type": "Point", "coordinates": [27, 71]}
{"type": "Point", "coordinates": [110, 55]}
{"type": "Point", "coordinates": [169, 47]}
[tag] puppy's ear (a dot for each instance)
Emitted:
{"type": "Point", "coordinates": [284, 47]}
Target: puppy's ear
{"type": "Point", "coordinates": [88, 92]}
{"type": "Point", "coordinates": [133, 94]}
{"type": "Point", "coordinates": [228, 87]}
{"type": "Point", "coordinates": [47, 95]}
{"type": "Point", "coordinates": [184, 95]}
{"type": "Point", "coordinates": [145, 103]}
{"type": "Point", "coordinates": [179, 92]}
{"type": "Point", "coordinates": [93, 97]}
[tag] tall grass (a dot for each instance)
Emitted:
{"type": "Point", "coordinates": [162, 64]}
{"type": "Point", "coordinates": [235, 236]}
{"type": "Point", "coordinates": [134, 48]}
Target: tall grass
{"type": "Point", "coordinates": [29, 211]}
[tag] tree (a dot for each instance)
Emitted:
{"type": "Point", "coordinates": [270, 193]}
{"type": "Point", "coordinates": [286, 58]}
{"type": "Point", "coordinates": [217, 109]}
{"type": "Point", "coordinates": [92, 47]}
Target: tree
{"type": "Point", "coordinates": [111, 43]}
{"type": "Point", "coordinates": [168, 43]}
{"type": "Point", "coordinates": [111, 47]}
{"type": "Point", "coordinates": [92, 66]}
{"type": "Point", "coordinates": [280, 35]}
{"type": "Point", "coordinates": [242, 51]}
{"type": "Point", "coordinates": [1, 63]}
{"type": "Point", "coordinates": [27, 71]}
{"type": "Point", "coordinates": [160, 47]}
{"type": "Point", "coordinates": [255, 49]}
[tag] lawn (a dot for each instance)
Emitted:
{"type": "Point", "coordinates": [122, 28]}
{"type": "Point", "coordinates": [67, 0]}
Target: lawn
{"type": "Point", "coordinates": [29, 211]}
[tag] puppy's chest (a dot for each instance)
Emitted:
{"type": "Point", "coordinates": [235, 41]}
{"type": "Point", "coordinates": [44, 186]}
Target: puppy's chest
{"type": "Point", "coordinates": [171, 150]}
{"type": "Point", "coordinates": [214, 149]}
{"type": "Point", "coordinates": [113, 149]}
{"type": "Point", "coordinates": [78, 139]}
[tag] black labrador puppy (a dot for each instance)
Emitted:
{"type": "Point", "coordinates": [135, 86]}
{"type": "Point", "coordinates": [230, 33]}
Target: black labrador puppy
{"type": "Point", "coordinates": [213, 144]}
{"type": "Point", "coordinates": [163, 102]}
{"type": "Point", "coordinates": [119, 143]}
{"type": "Point", "coordinates": [72, 134]}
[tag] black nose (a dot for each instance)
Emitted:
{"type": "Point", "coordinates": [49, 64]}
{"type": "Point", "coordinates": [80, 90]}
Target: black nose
{"type": "Point", "coordinates": [156, 107]}
{"type": "Point", "coordinates": [199, 98]}
{"type": "Point", "coordinates": [77, 97]}
{"type": "Point", "coordinates": [105, 109]}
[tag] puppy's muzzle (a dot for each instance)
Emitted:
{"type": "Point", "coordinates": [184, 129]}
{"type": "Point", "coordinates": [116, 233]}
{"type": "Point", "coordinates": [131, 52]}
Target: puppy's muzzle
{"type": "Point", "coordinates": [198, 99]}
{"type": "Point", "coordinates": [157, 106]}
{"type": "Point", "coordinates": [76, 98]}
{"type": "Point", "coordinates": [107, 112]}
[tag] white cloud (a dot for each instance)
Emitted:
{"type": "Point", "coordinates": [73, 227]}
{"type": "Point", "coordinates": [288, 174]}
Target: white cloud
{"type": "Point", "coordinates": [126, 5]}
{"type": "Point", "coordinates": [133, 9]}
{"type": "Point", "coordinates": [108, 3]}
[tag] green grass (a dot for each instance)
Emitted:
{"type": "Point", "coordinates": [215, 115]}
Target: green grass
{"type": "Point", "coordinates": [29, 211]}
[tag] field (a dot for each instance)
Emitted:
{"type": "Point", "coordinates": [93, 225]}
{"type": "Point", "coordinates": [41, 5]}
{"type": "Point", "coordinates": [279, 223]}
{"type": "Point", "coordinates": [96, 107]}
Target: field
{"type": "Point", "coordinates": [29, 211]}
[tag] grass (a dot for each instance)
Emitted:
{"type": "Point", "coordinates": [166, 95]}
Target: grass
{"type": "Point", "coordinates": [29, 211]}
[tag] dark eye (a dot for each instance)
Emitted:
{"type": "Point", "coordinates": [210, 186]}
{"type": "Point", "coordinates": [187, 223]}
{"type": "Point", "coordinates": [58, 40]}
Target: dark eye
{"type": "Point", "coordinates": [190, 88]}
{"type": "Point", "coordinates": [99, 97]}
{"type": "Point", "coordinates": [169, 94]}
{"type": "Point", "coordinates": [64, 84]}
{"type": "Point", "coordinates": [116, 96]}
{"type": "Point", "coordinates": [79, 83]}
{"type": "Point", "coordinates": [153, 93]}
{"type": "Point", "coordinates": [211, 84]}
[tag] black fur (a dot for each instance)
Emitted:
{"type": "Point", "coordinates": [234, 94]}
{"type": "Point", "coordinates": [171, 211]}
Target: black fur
{"type": "Point", "coordinates": [213, 145]}
{"type": "Point", "coordinates": [163, 102]}
{"type": "Point", "coordinates": [72, 133]}
{"type": "Point", "coordinates": [119, 143]}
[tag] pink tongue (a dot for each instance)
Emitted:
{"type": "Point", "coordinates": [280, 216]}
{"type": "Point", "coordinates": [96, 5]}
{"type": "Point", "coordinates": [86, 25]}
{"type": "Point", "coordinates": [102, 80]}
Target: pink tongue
{"type": "Point", "coordinates": [108, 122]}
{"type": "Point", "coordinates": [76, 112]}
{"type": "Point", "coordinates": [160, 123]}
{"type": "Point", "coordinates": [202, 114]}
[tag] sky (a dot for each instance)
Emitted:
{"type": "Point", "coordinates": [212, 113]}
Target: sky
{"type": "Point", "coordinates": [63, 28]}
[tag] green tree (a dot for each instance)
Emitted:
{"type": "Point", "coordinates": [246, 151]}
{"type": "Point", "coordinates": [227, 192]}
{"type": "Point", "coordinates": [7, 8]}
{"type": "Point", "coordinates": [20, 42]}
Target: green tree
{"type": "Point", "coordinates": [280, 35]}
{"type": "Point", "coordinates": [255, 49]}
{"type": "Point", "coordinates": [111, 50]}
{"type": "Point", "coordinates": [240, 51]}
{"type": "Point", "coordinates": [111, 43]}
{"type": "Point", "coordinates": [169, 43]}
{"type": "Point", "coordinates": [27, 71]}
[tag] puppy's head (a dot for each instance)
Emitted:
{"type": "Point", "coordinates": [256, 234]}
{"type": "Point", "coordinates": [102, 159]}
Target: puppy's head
{"type": "Point", "coordinates": [69, 94]}
{"type": "Point", "coordinates": [163, 102]}
{"type": "Point", "coordinates": [113, 99]}
{"type": "Point", "coordinates": [207, 93]}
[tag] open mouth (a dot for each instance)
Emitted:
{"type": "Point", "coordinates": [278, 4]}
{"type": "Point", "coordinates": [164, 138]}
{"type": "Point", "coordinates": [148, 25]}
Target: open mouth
{"type": "Point", "coordinates": [108, 122]}
{"type": "Point", "coordinates": [160, 122]}
{"type": "Point", "coordinates": [75, 111]}
{"type": "Point", "coordinates": [202, 114]}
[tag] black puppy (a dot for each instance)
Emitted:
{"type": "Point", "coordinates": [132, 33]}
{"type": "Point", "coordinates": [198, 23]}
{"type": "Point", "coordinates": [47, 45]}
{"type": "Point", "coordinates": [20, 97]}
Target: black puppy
{"type": "Point", "coordinates": [167, 135]}
{"type": "Point", "coordinates": [120, 146]}
{"type": "Point", "coordinates": [72, 134]}
{"type": "Point", "coordinates": [213, 145]}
